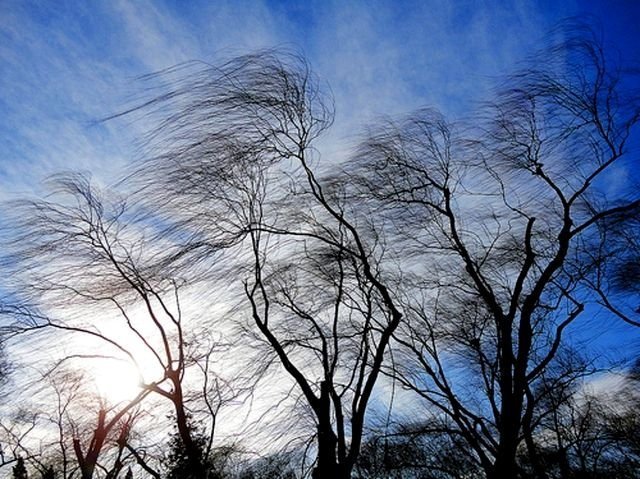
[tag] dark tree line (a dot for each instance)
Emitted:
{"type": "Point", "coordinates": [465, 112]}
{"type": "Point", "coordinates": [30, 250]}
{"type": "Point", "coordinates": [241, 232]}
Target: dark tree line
{"type": "Point", "coordinates": [432, 277]}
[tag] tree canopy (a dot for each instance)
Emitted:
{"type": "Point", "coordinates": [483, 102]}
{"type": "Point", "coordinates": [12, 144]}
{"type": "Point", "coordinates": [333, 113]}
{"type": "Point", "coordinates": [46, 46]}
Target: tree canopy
{"type": "Point", "coordinates": [404, 311]}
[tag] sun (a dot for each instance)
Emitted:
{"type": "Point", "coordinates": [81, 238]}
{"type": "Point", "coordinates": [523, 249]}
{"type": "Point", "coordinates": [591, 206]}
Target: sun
{"type": "Point", "coordinates": [116, 380]}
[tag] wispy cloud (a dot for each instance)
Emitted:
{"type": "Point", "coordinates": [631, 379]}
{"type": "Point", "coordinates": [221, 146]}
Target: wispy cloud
{"type": "Point", "coordinates": [66, 64]}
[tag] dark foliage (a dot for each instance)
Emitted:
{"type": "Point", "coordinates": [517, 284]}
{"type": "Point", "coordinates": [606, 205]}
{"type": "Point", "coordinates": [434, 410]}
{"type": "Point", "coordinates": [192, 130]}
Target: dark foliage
{"type": "Point", "coordinates": [184, 463]}
{"type": "Point", "coordinates": [20, 470]}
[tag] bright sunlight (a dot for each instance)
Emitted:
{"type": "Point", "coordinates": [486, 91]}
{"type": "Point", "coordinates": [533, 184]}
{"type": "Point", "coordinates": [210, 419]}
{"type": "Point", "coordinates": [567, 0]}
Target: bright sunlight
{"type": "Point", "coordinates": [116, 380]}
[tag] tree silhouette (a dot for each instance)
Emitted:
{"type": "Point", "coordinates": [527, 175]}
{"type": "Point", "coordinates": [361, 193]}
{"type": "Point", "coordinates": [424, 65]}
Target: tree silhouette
{"type": "Point", "coordinates": [235, 176]}
{"type": "Point", "coordinates": [20, 470]}
{"type": "Point", "coordinates": [447, 258]}
{"type": "Point", "coordinates": [183, 464]}
{"type": "Point", "coordinates": [505, 216]}
{"type": "Point", "coordinates": [102, 262]}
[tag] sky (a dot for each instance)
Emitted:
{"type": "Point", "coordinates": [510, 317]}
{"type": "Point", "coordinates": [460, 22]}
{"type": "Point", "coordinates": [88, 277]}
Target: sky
{"type": "Point", "coordinates": [68, 64]}
{"type": "Point", "coordinates": [65, 65]}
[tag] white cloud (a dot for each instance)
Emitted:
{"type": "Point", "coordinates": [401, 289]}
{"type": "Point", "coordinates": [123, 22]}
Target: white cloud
{"type": "Point", "coordinates": [66, 66]}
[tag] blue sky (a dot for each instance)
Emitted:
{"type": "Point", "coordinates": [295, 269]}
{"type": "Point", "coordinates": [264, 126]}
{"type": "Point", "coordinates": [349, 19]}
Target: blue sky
{"type": "Point", "coordinates": [67, 63]}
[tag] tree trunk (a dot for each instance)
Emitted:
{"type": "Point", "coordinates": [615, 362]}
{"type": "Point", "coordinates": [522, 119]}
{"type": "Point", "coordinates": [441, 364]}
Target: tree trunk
{"type": "Point", "coordinates": [327, 466]}
{"type": "Point", "coordinates": [563, 462]}
{"type": "Point", "coordinates": [505, 465]}
{"type": "Point", "coordinates": [88, 461]}
{"type": "Point", "coordinates": [192, 450]}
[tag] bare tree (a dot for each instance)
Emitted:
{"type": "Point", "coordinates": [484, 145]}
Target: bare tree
{"type": "Point", "coordinates": [425, 450]}
{"type": "Point", "coordinates": [449, 257]}
{"type": "Point", "coordinates": [617, 271]}
{"type": "Point", "coordinates": [235, 173]}
{"type": "Point", "coordinates": [14, 436]}
{"type": "Point", "coordinates": [502, 218]}
{"type": "Point", "coordinates": [87, 458]}
{"type": "Point", "coordinates": [63, 428]}
{"type": "Point", "coordinates": [587, 433]}
{"type": "Point", "coordinates": [80, 250]}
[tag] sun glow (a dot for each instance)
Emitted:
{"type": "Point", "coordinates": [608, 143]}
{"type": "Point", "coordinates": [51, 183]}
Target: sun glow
{"type": "Point", "coordinates": [117, 381]}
